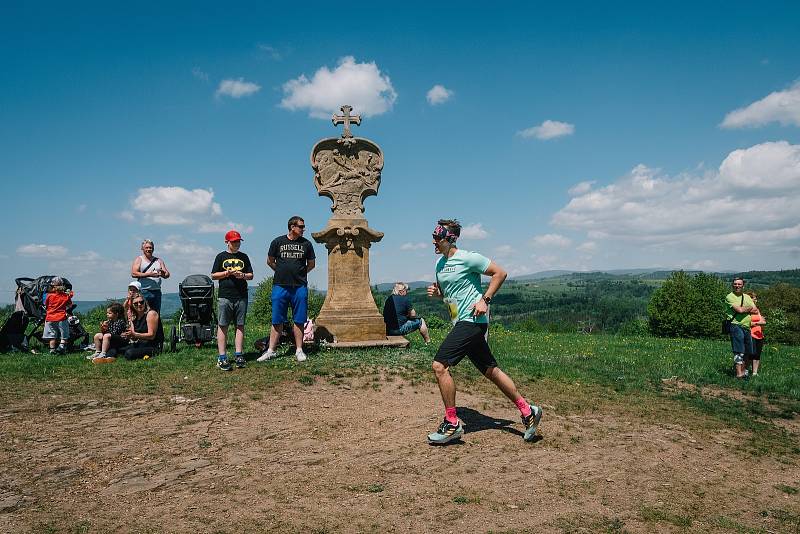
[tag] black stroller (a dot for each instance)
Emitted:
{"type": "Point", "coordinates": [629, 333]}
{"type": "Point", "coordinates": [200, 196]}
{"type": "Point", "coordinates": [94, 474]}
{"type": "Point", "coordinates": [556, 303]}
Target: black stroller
{"type": "Point", "coordinates": [27, 321]}
{"type": "Point", "coordinates": [197, 322]}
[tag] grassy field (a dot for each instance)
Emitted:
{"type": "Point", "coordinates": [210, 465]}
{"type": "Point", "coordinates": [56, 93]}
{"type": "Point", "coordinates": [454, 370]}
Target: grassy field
{"type": "Point", "coordinates": [613, 367]}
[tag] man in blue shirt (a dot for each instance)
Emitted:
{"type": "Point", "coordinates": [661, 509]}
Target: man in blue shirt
{"type": "Point", "coordinates": [458, 282]}
{"type": "Point", "coordinates": [400, 318]}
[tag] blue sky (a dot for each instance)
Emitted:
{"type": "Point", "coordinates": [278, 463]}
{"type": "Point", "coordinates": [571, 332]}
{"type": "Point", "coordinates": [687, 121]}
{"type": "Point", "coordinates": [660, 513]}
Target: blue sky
{"type": "Point", "coordinates": [584, 136]}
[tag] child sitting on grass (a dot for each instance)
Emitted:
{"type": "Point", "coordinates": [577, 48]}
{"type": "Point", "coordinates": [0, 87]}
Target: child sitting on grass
{"type": "Point", "coordinates": [57, 301]}
{"type": "Point", "coordinates": [110, 335]}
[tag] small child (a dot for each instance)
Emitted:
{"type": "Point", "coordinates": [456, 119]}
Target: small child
{"type": "Point", "coordinates": [110, 335]}
{"type": "Point", "coordinates": [134, 290]}
{"type": "Point", "coordinates": [56, 326]}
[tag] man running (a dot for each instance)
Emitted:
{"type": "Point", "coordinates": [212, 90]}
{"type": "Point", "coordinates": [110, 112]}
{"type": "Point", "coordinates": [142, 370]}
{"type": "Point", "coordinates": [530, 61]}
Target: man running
{"type": "Point", "coordinates": [458, 281]}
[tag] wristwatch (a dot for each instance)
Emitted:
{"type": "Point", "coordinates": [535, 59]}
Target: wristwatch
{"type": "Point", "coordinates": [487, 300]}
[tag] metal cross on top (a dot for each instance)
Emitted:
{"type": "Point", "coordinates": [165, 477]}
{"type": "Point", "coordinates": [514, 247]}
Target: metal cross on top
{"type": "Point", "coordinates": [346, 119]}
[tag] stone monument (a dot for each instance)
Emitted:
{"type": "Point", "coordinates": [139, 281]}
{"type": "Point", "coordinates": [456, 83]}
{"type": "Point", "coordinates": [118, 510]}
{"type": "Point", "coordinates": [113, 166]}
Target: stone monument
{"type": "Point", "coordinates": [347, 170]}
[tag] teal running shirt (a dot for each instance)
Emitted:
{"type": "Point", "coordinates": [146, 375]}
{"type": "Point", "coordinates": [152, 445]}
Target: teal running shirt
{"type": "Point", "coordinates": [459, 278]}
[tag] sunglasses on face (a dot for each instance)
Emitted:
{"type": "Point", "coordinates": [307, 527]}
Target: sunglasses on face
{"type": "Point", "coordinates": [301, 226]}
{"type": "Point", "coordinates": [138, 303]}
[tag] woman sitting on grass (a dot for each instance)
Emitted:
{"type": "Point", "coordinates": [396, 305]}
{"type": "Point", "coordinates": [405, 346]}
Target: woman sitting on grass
{"type": "Point", "coordinates": [110, 335]}
{"type": "Point", "coordinates": [144, 331]}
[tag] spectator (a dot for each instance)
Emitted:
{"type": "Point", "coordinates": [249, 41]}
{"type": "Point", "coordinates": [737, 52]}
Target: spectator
{"type": "Point", "coordinates": [145, 333]}
{"type": "Point", "coordinates": [232, 269]}
{"type": "Point", "coordinates": [149, 271]}
{"type": "Point", "coordinates": [134, 289]}
{"type": "Point", "coordinates": [110, 335]}
{"type": "Point", "coordinates": [400, 318]}
{"type": "Point", "coordinates": [757, 321]}
{"type": "Point", "coordinates": [292, 257]}
{"type": "Point", "coordinates": [739, 307]}
{"type": "Point", "coordinates": [56, 327]}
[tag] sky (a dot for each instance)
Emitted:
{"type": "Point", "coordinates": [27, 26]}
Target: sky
{"type": "Point", "coordinates": [583, 136]}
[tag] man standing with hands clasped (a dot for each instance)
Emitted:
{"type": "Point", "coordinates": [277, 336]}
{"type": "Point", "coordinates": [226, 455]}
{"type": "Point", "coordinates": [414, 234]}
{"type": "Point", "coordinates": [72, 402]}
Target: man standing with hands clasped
{"type": "Point", "coordinates": [232, 269]}
{"type": "Point", "coordinates": [458, 281]}
{"type": "Point", "coordinates": [292, 257]}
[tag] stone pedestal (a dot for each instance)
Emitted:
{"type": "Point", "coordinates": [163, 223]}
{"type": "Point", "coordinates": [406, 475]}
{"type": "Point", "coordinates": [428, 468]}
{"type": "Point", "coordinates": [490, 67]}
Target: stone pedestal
{"type": "Point", "coordinates": [347, 170]}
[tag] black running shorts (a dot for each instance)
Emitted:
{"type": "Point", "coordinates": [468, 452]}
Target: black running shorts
{"type": "Point", "coordinates": [467, 339]}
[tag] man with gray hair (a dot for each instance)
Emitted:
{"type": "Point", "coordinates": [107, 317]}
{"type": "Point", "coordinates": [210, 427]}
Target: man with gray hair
{"type": "Point", "coordinates": [400, 318]}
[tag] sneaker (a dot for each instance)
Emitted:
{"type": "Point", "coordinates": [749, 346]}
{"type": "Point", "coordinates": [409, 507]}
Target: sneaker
{"type": "Point", "coordinates": [300, 355]}
{"type": "Point", "coordinates": [447, 432]}
{"type": "Point", "coordinates": [61, 350]}
{"type": "Point", "coordinates": [241, 363]}
{"type": "Point", "coordinates": [532, 422]}
{"type": "Point", "coordinates": [104, 359]}
{"type": "Point", "coordinates": [223, 364]}
{"type": "Point", "coordinates": [266, 355]}
{"type": "Point", "coordinates": [93, 356]}
{"type": "Point", "coordinates": [53, 351]}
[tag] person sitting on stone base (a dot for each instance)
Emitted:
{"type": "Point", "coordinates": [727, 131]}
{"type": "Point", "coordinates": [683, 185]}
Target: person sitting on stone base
{"type": "Point", "coordinates": [400, 318]}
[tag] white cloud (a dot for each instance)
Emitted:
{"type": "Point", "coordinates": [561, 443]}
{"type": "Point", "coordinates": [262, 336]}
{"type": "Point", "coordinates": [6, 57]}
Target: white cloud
{"type": "Point", "coordinates": [698, 265]}
{"type": "Point", "coordinates": [175, 205]}
{"type": "Point", "coordinates": [749, 202]}
{"type": "Point", "coordinates": [361, 85]}
{"type": "Point", "coordinates": [42, 251]}
{"type": "Point", "coordinates": [438, 94]}
{"type": "Point", "coordinates": [222, 227]}
{"type": "Point", "coordinates": [474, 231]}
{"type": "Point", "coordinates": [780, 106]}
{"type": "Point", "coordinates": [504, 251]}
{"type": "Point", "coordinates": [580, 188]}
{"type": "Point", "coordinates": [270, 52]}
{"type": "Point", "coordinates": [199, 74]}
{"type": "Point", "coordinates": [548, 130]}
{"type": "Point", "coordinates": [414, 246]}
{"type": "Point", "coordinates": [587, 247]}
{"type": "Point", "coordinates": [185, 256]}
{"type": "Point", "coordinates": [551, 241]}
{"type": "Point", "coordinates": [236, 88]}
{"type": "Point", "coordinates": [126, 215]}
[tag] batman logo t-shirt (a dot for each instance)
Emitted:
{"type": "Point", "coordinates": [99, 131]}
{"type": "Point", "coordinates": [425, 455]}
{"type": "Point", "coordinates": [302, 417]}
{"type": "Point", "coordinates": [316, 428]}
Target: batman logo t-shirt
{"type": "Point", "coordinates": [232, 288]}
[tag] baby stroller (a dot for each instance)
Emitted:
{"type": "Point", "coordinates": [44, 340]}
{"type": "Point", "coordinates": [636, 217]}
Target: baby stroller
{"type": "Point", "coordinates": [27, 321]}
{"type": "Point", "coordinates": [197, 322]}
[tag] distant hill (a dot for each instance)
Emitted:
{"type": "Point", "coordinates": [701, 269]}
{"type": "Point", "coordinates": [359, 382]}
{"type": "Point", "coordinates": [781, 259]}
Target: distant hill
{"type": "Point", "coordinates": [388, 286]}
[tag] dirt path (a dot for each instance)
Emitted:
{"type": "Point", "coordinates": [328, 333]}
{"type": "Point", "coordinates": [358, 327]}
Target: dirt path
{"type": "Point", "coordinates": [353, 458]}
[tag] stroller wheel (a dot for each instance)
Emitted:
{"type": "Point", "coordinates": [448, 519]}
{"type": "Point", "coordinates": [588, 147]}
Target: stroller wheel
{"type": "Point", "coordinates": [173, 340]}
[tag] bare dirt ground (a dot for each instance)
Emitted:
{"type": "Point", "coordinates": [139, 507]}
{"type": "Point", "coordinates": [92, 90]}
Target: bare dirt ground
{"type": "Point", "coordinates": [353, 458]}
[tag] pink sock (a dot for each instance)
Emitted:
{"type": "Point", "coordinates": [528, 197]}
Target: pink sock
{"type": "Point", "coordinates": [450, 415]}
{"type": "Point", "coordinates": [524, 407]}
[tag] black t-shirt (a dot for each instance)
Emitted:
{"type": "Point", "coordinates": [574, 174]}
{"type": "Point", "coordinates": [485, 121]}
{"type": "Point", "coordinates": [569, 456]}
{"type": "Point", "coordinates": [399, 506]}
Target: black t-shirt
{"type": "Point", "coordinates": [291, 260]}
{"type": "Point", "coordinates": [395, 311]}
{"type": "Point", "coordinates": [232, 288]}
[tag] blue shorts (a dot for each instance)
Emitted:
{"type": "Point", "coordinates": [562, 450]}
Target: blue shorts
{"type": "Point", "coordinates": [406, 328]}
{"type": "Point", "coordinates": [282, 297]}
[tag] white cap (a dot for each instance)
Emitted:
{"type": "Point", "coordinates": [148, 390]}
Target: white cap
{"type": "Point", "coordinates": [136, 284]}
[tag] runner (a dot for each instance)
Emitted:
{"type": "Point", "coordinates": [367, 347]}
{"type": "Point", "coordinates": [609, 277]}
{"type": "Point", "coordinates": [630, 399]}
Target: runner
{"type": "Point", "coordinates": [458, 281]}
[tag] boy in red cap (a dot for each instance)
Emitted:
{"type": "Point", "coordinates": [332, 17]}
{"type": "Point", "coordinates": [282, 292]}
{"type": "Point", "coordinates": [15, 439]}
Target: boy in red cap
{"type": "Point", "coordinates": [232, 269]}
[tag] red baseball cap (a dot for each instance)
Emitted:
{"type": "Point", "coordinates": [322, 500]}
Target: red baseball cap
{"type": "Point", "coordinates": [233, 235]}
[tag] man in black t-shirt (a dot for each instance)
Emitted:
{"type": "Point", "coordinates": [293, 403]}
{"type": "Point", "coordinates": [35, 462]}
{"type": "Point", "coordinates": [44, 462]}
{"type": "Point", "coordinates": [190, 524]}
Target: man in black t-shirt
{"type": "Point", "coordinates": [232, 269]}
{"type": "Point", "coordinates": [292, 257]}
{"type": "Point", "coordinates": [400, 318]}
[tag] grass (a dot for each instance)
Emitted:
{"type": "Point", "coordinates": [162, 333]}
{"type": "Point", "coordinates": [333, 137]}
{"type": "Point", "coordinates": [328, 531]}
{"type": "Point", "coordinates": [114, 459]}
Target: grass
{"type": "Point", "coordinates": [603, 367]}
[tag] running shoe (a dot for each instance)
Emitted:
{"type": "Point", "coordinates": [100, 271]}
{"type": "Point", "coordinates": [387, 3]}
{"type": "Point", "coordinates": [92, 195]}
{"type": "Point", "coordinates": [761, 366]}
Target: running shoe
{"type": "Point", "coordinates": [300, 355]}
{"type": "Point", "coordinates": [241, 363]}
{"type": "Point", "coordinates": [266, 355]}
{"type": "Point", "coordinates": [532, 422]}
{"type": "Point", "coordinates": [446, 433]}
{"type": "Point", "coordinates": [93, 356]}
{"type": "Point", "coordinates": [223, 364]}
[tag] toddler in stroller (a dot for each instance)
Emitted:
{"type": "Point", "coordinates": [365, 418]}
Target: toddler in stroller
{"type": "Point", "coordinates": [197, 320]}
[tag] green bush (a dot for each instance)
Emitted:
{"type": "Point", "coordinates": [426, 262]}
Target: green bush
{"type": "Point", "coordinates": [688, 306]}
{"type": "Point", "coordinates": [780, 306]}
{"type": "Point", "coordinates": [634, 327]}
{"type": "Point", "coordinates": [530, 324]}
{"type": "Point", "coordinates": [436, 322]}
